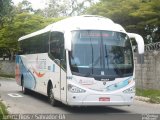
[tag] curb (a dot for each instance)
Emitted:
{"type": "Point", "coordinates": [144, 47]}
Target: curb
{"type": "Point", "coordinates": [7, 78]}
{"type": "Point", "coordinates": [144, 99]}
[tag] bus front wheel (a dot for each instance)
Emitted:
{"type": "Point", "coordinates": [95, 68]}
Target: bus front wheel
{"type": "Point", "coordinates": [52, 100]}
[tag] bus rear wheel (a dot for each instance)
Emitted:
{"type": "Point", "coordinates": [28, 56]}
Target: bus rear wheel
{"type": "Point", "coordinates": [24, 90]}
{"type": "Point", "coordinates": [52, 100]}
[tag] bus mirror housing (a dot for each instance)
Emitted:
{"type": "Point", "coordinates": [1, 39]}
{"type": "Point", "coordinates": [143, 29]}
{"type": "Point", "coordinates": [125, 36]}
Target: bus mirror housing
{"type": "Point", "coordinates": [139, 40]}
{"type": "Point", "coordinates": [140, 43]}
{"type": "Point", "coordinates": [68, 37]}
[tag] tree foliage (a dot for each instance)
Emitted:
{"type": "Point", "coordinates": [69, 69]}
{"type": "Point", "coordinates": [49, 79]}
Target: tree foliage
{"type": "Point", "coordinates": [5, 11]}
{"type": "Point", "coordinates": [64, 8]}
{"type": "Point", "coordinates": [10, 33]}
{"type": "Point", "coordinates": [24, 6]}
{"type": "Point", "coordinates": [23, 22]}
{"type": "Point", "coordinates": [139, 16]}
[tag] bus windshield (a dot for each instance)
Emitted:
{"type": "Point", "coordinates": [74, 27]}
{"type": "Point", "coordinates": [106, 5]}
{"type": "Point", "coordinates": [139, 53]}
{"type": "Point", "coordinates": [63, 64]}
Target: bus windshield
{"type": "Point", "coordinates": [101, 54]}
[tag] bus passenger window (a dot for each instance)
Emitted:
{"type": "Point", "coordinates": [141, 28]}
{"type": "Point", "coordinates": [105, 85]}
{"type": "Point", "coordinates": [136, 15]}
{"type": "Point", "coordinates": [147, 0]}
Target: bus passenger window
{"type": "Point", "coordinates": [56, 44]}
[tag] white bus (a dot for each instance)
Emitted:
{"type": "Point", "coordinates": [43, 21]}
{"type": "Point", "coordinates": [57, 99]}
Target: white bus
{"type": "Point", "coordinates": [79, 61]}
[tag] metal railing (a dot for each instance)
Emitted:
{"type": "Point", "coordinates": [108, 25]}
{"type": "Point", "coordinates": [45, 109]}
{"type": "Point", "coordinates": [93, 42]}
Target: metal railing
{"type": "Point", "coordinates": [152, 47]}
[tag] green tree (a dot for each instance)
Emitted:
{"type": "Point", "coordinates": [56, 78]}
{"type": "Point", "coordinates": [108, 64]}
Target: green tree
{"type": "Point", "coordinates": [78, 8]}
{"type": "Point", "coordinates": [5, 11]}
{"type": "Point", "coordinates": [24, 6]}
{"type": "Point", "coordinates": [64, 8]}
{"type": "Point", "coordinates": [139, 16]}
{"type": "Point", "coordinates": [22, 24]}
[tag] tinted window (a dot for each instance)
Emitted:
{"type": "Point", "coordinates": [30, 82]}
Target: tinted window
{"type": "Point", "coordinates": [57, 45]}
{"type": "Point", "coordinates": [57, 51]}
{"type": "Point", "coordinates": [36, 44]}
{"type": "Point", "coordinates": [101, 53]}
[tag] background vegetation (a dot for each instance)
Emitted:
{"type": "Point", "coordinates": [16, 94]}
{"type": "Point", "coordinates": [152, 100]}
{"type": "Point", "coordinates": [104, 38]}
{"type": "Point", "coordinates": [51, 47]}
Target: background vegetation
{"type": "Point", "coordinates": [3, 111]}
{"type": "Point", "coordinates": [153, 95]}
{"type": "Point", "coordinates": [139, 16]}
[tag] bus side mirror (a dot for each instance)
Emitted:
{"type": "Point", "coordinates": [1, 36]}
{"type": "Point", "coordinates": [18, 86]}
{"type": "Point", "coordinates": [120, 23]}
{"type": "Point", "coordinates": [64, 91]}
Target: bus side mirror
{"type": "Point", "coordinates": [140, 43]}
{"type": "Point", "coordinates": [67, 37]}
{"type": "Point", "coordinates": [139, 40]}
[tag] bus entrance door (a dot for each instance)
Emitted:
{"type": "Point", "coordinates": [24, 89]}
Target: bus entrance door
{"type": "Point", "coordinates": [63, 86]}
{"type": "Point", "coordinates": [56, 84]}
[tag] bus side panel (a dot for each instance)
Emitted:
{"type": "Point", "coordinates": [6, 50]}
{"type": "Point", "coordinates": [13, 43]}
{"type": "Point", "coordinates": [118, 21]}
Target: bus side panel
{"type": "Point", "coordinates": [26, 73]}
{"type": "Point", "coordinates": [45, 69]}
{"type": "Point", "coordinates": [36, 70]}
{"type": "Point", "coordinates": [17, 70]}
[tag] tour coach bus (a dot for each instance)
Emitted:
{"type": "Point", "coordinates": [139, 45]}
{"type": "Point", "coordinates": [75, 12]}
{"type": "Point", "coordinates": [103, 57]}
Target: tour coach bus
{"type": "Point", "coordinates": [79, 61]}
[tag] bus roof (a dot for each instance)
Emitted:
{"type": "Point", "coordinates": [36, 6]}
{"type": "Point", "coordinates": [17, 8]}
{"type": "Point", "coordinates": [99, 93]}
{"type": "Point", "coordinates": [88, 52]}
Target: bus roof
{"type": "Point", "coordinates": [85, 22]}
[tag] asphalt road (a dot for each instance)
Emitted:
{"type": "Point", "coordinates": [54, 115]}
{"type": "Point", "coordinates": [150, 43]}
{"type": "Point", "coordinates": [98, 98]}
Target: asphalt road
{"type": "Point", "coordinates": [37, 104]}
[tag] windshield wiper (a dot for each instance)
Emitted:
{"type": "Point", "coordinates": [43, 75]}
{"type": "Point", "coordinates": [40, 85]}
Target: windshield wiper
{"type": "Point", "coordinates": [106, 56]}
{"type": "Point", "coordinates": [91, 72]}
{"type": "Point", "coordinates": [117, 69]}
{"type": "Point", "coordinates": [92, 55]}
{"type": "Point", "coordinates": [88, 74]}
{"type": "Point", "coordinates": [92, 65]}
{"type": "Point", "coordinates": [115, 65]}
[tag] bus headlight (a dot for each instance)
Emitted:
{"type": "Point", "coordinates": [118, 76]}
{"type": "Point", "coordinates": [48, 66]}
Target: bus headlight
{"type": "Point", "coordinates": [75, 89]}
{"type": "Point", "coordinates": [130, 90]}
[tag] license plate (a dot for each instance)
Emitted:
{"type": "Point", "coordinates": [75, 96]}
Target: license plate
{"type": "Point", "coordinates": [104, 99]}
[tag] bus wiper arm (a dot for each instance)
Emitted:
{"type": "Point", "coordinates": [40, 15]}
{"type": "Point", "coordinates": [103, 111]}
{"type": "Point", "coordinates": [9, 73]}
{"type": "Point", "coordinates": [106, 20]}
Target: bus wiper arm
{"type": "Point", "coordinates": [117, 69]}
{"type": "Point", "coordinates": [106, 56]}
{"type": "Point", "coordinates": [88, 74]}
{"type": "Point", "coordinates": [92, 54]}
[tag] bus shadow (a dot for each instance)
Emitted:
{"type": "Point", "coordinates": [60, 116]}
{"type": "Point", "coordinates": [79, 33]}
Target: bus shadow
{"type": "Point", "coordinates": [77, 110]}
{"type": "Point", "coordinates": [35, 95]}
{"type": "Point", "coordinates": [93, 109]}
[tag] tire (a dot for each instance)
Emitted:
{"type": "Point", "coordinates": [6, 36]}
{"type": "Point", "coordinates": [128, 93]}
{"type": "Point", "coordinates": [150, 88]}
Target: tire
{"type": "Point", "coordinates": [24, 90]}
{"type": "Point", "coordinates": [51, 98]}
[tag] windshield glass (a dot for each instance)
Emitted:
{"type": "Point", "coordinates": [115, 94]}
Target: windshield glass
{"type": "Point", "coordinates": [103, 54]}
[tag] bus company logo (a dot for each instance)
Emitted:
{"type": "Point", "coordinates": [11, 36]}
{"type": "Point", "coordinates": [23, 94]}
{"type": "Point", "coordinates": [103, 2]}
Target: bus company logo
{"type": "Point", "coordinates": [104, 81]}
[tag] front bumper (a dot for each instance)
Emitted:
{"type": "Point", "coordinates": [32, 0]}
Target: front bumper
{"type": "Point", "coordinates": [93, 100]}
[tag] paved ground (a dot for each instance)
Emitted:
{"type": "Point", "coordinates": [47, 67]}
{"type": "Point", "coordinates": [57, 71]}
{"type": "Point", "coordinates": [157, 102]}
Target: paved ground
{"type": "Point", "coordinates": [35, 103]}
